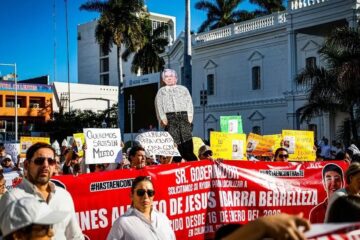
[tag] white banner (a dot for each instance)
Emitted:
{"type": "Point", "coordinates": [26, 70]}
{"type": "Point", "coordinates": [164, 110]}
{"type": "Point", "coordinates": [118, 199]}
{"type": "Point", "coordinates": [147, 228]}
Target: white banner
{"type": "Point", "coordinates": [158, 143]}
{"type": "Point", "coordinates": [103, 145]}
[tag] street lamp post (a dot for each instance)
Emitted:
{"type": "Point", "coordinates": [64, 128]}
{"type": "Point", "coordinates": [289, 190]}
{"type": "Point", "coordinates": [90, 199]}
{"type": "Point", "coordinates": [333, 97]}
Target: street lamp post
{"type": "Point", "coordinates": [16, 93]}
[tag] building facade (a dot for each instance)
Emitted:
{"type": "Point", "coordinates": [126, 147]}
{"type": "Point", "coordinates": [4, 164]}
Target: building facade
{"type": "Point", "coordinates": [34, 107]}
{"type": "Point", "coordinates": [96, 98]}
{"type": "Point", "coordinates": [99, 68]}
{"type": "Point", "coordinates": [249, 68]}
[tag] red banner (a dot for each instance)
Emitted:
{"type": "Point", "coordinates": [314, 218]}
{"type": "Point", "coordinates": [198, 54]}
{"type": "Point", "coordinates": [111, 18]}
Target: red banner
{"type": "Point", "coordinates": [199, 197]}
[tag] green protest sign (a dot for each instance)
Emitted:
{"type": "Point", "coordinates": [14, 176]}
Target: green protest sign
{"type": "Point", "coordinates": [231, 124]}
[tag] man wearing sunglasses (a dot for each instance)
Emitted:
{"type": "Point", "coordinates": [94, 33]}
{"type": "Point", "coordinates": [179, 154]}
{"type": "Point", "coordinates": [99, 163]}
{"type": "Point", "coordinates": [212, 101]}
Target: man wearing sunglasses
{"type": "Point", "coordinates": [39, 166]}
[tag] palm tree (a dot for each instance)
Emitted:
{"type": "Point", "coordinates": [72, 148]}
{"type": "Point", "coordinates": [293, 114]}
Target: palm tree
{"type": "Point", "coordinates": [119, 24]}
{"type": "Point", "coordinates": [221, 13]}
{"type": "Point", "coordinates": [147, 59]}
{"type": "Point", "coordinates": [337, 87]}
{"type": "Point", "coordinates": [268, 6]}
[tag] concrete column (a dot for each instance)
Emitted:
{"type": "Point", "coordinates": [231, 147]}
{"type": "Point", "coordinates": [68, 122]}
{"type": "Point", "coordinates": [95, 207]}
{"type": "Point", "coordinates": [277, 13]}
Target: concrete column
{"type": "Point", "coordinates": [292, 71]}
{"type": "Point", "coordinates": [326, 125]}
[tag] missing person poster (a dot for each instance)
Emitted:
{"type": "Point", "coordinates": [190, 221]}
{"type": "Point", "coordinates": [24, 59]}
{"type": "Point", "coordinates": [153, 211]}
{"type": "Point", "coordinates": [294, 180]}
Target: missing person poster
{"type": "Point", "coordinates": [231, 124]}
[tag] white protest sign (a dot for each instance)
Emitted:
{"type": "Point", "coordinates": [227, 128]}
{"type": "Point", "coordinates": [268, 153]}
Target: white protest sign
{"type": "Point", "coordinates": [158, 143]}
{"type": "Point", "coordinates": [102, 145]}
{"type": "Point", "coordinates": [13, 149]}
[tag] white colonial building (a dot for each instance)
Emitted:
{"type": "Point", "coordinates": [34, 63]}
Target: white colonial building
{"type": "Point", "coordinates": [248, 68]}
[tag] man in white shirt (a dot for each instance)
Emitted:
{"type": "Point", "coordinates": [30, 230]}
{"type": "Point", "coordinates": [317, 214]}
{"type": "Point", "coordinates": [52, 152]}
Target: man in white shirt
{"type": "Point", "coordinates": [40, 165]}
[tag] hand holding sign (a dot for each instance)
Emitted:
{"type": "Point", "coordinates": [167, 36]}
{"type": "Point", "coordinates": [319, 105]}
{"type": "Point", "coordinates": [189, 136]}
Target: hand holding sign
{"type": "Point", "coordinates": [103, 145]}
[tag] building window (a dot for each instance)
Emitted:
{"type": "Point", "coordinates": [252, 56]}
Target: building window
{"type": "Point", "coordinates": [256, 130]}
{"type": "Point", "coordinates": [310, 62]}
{"type": "Point", "coordinates": [104, 53]}
{"type": "Point", "coordinates": [210, 84]}
{"type": "Point", "coordinates": [104, 65]}
{"type": "Point", "coordinates": [10, 101]}
{"type": "Point", "coordinates": [256, 78]}
{"type": "Point", "coordinates": [104, 79]}
{"type": "Point", "coordinates": [37, 102]}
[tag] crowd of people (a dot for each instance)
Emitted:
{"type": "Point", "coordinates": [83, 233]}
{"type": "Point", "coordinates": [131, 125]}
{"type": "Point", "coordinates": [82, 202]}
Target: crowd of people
{"type": "Point", "coordinates": [41, 163]}
{"type": "Point", "coordinates": [38, 209]}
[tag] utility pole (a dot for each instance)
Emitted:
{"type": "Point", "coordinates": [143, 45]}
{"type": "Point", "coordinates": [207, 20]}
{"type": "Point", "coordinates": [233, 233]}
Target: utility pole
{"type": "Point", "coordinates": [67, 50]}
{"type": "Point", "coordinates": [203, 103]}
{"type": "Point", "coordinates": [187, 49]}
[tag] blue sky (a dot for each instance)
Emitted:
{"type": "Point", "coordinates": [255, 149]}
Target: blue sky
{"type": "Point", "coordinates": [29, 34]}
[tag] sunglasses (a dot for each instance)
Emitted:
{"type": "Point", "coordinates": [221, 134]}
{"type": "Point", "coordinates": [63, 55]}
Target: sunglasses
{"type": "Point", "coordinates": [40, 161]}
{"type": "Point", "coordinates": [283, 156]}
{"type": "Point", "coordinates": [141, 192]}
{"type": "Point", "coordinates": [7, 160]}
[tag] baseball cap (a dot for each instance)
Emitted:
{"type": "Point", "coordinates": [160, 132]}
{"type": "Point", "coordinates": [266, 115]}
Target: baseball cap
{"type": "Point", "coordinates": [26, 211]}
{"type": "Point", "coordinates": [7, 156]}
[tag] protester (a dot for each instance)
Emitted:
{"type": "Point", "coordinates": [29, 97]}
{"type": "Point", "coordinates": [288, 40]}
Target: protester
{"type": "Point", "coordinates": [351, 152]}
{"type": "Point", "coordinates": [205, 153]}
{"type": "Point", "coordinates": [325, 148]}
{"type": "Point", "coordinates": [7, 164]}
{"type": "Point", "coordinates": [335, 149]}
{"type": "Point", "coordinates": [2, 152]}
{"type": "Point", "coordinates": [125, 163]}
{"type": "Point", "coordinates": [142, 221]}
{"type": "Point", "coordinates": [40, 166]}
{"type": "Point", "coordinates": [71, 164]}
{"type": "Point", "coordinates": [344, 209]}
{"type": "Point", "coordinates": [332, 177]}
{"type": "Point", "coordinates": [282, 226]}
{"type": "Point", "coordinates": [165, 159]}
{"type": "Point", "coordinates": [2, 185]}
{"type": "Point", "coordinates": [150, 160]}
{"type": "Point", "coordinates": [281, 155]}
{"type": "Point", "coordinates": [352, 178]}
{"type": "Point", "coordinates": [27, 218]}
{"type": "Point", "coordinates": [137, 157]}
{"type": "Point", "coordinates": [58, 168]}
{"type": "Point", "coordinates": [174, 110]}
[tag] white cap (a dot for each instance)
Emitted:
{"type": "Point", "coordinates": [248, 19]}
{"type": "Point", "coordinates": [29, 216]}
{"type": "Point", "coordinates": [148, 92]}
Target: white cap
{"type": "Point", "coordinates": [7, 156]}
{"type": "Point", "coordinates": [26, 211]}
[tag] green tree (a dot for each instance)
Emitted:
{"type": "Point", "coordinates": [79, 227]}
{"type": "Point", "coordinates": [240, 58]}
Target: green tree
{"type": "Point", "coordinates": [268, 6]}
{"type": "Point", "coordinates": [147, 58]}
{"type": "Point", "coordinates": [336, 87]}
{"type": "Point", "coordinates": [119, 24]}
{"type": "Point", "coordinates": [221, 13]}
{"type": "Point", "coordinates": [66, 124]}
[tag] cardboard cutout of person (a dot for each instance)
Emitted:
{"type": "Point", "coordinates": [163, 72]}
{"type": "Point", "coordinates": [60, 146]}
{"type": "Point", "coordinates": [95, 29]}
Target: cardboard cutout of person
{"type": "Point", "coordinates": [174, 110]}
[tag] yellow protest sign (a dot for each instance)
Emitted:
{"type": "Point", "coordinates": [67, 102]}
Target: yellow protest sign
{"type": "Point", "coordinates": [79, 139]}
{"type": "Point", "coordinates": [300, 145]}
{"type": "Point", "coordinates": [26, 142]}
{"type": "Point", "coordinates": [259, 145]}
{"type": "Point", "coordinates": [276, 138]}
{"type": "Point", "coordinates": [197, 143]}
{"type": "Point", "coordinates": [228, 146]}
